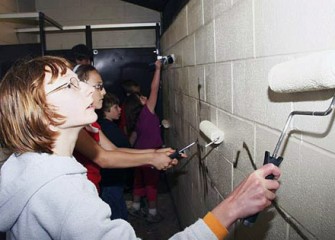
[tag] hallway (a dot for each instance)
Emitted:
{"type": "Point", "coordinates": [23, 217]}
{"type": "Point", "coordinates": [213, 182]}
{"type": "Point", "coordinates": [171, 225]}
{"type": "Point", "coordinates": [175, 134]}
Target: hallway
{"type": "Point", "coordinates": [167, 227]}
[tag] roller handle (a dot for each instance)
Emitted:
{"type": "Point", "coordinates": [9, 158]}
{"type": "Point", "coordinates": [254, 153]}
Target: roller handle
{"type": "Point", "coordinates": [249, 221]}
{"type": "Point", "coordinates": [176, 155]}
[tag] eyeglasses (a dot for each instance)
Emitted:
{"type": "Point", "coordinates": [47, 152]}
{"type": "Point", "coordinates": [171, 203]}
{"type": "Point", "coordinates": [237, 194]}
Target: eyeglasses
{"type": "Point", "coordinates": [73, 82]}
{"type": "Point", "coordinates": [99, 86]}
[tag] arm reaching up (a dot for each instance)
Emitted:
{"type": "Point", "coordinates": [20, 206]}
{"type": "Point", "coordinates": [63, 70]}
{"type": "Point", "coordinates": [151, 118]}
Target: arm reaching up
{"type": "Point", "coordinates": [152, 100]}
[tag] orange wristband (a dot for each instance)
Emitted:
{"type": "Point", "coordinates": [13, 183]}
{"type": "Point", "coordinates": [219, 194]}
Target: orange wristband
{"type": "Point", "coordinates": [220, 231]}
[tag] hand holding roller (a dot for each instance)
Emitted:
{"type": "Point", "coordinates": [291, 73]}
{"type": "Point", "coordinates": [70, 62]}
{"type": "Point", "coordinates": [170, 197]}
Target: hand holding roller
{"type": "Point", "coordinates": [310, 73]}
{"type": "Point", "coordinates": [178, 153]}
{"type": "Point", "coordinates": [249, 221]}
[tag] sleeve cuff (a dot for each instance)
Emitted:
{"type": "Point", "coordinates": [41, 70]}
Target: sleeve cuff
{"type": "Point", "coordinates": [220, 231]}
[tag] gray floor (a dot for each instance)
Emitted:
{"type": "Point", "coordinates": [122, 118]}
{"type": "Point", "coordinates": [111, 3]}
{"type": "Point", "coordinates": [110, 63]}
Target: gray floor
{"type": "Point", "coordinates": [164, 229]}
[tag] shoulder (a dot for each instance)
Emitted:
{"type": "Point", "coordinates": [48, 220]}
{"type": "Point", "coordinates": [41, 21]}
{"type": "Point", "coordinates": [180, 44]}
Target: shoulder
{"type": "Point", "coordinates": [146, 111]}
{"type": "Point", "coordinates": [62, 198]}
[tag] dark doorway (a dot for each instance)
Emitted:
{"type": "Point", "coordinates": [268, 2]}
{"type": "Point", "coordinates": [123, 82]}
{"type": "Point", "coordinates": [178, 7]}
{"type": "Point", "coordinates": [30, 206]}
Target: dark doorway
{"type": "Point", "coordinates": [11, 53]}
{"type": "Point", "coordinates": [116, 65]}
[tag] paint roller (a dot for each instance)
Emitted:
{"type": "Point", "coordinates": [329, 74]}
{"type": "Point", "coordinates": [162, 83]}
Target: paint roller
{"type": "Point", "coordinates": [213, 133]}
{"type": "Point", "coordinates": [310, 73]}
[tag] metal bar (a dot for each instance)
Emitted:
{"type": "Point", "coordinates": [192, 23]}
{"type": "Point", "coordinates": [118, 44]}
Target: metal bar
{"type": "Point", "coordinates": [19, 15]}
{"type": "Point", "coordinates": [89, 39]}
{"type": "Point", "coordinates": [124, 25]}
{"type": "Point", "coordinates": [30, 15]}
{"type": "Point", "coordinates": [53, 22]}
{"type": "Point", "coordinates": [158, 35]}
{"type": "Point", "coordinates": [306, 113]}
{"type": "Point", "coordinates": [83, 27]}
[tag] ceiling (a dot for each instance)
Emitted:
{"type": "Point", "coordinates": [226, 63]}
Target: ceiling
{"type": "Point", "coordinates": [157, 5]}
{"type": "Point", "coordinates": [169, 9]}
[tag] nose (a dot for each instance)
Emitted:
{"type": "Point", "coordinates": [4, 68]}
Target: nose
{"type": "Point", "coordinates": [103, 91]}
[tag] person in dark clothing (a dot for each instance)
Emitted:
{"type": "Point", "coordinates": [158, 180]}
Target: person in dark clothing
{"type": "Point", "coordinates": [113, 180]}
{"type": "Point", "coordinates": [82, 55]}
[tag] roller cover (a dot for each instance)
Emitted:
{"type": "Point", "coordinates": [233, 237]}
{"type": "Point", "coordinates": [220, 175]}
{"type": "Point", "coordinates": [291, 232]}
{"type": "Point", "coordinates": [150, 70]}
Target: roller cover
{"type": "Point", "coordinates": [310, 73]}
{"type": "Point", "coordinates": [211, 131]}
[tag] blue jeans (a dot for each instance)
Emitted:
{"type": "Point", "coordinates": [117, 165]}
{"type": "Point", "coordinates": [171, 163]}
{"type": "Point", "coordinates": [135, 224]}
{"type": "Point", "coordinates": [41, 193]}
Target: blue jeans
{"type": "Point", "coordinates": [113, 196]}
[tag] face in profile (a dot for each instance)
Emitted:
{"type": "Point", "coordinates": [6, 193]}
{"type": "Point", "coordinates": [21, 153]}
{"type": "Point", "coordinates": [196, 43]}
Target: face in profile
{"type": "Point", "coordinates": [114, 112]}
{"type": "Point", "coordinates": [95, 80]}
{"type": "Point", "coordinates": [71, 98]}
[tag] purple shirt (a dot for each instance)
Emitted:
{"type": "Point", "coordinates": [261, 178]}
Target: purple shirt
{"type": "Point", "coordinates": [148, 130]}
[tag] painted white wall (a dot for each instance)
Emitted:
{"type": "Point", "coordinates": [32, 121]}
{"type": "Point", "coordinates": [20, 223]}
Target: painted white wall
{"type": "Point", "coordinates": [81, 12]}
{"type": "Point", "coordinates": [224, 50]}
{"type": "Point", "coordinates": [7, 33]}
{"type": "Point", "coordinates": [87, 12]}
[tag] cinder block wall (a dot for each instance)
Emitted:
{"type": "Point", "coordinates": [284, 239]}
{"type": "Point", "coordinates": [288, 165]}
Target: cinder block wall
{"type": "Point", "coordinates": [224, 50]}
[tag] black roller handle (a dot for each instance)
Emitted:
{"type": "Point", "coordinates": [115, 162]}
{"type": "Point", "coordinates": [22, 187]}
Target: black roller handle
{"type": "Point", "coordinates": [176, 155]}
{"type": "Point", "coordinates": [249, 221]}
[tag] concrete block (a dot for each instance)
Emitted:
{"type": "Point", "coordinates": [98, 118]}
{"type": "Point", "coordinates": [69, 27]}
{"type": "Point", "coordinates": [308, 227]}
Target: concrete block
{"type": "Point", "coordinates": [178, 79]}
{"type": "Point", "coordinates": [177, 50]}
{"type": "Point", "coordinates": [195, 17]}
{"type": "Point", "coordinates": [224, 91]}
{"type": "Point", "coordinates": [317, 130]}
{"type": "Point", "coordinates": [268, 225]}
{"type": "Point", "coordinates": [193, 112]}
{"type": "Point", "coordinates": [180, 26]}
{"type": "Point", "coordinates": [183, 79]}
{"type": "Point", "coordinates": [311, 201]}
{"type": "Point", "coordinates": [204, 44]}
{"type": "Point", "coordinates": [234, 33]}
{"type": "Point", "coordinates": [237, 132]}
{"type": "Point", "coordinates": [196, 80]}
{"type": "Point", "coordinates": [208, 6]}
{"type": "Point", "coordinates": [219, 172]}
{"type": "Point", "coordinates": [283, 27]}
{"type": "Point", "coordinates": [252, 98]}
{"type": "Point", "coordinates": [189, 50]}
{"type": "Point", "coordinates": [221, 6]}
{"type": "Point", "coordinates": [211, 87]}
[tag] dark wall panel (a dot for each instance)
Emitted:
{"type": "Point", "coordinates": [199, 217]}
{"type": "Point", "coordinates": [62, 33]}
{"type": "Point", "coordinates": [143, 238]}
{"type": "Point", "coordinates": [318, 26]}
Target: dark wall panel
{"type": "Point", "coordinates": [116, 65]}
{"type": "Point", "coordinates": [11, 53]}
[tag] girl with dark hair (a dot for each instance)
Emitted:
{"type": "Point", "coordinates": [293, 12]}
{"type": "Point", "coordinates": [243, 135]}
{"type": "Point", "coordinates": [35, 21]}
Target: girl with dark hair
{"type": "Point", "coordinates": [114, 157]}
{"type": "Point", "coordinates": [143, 126]}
